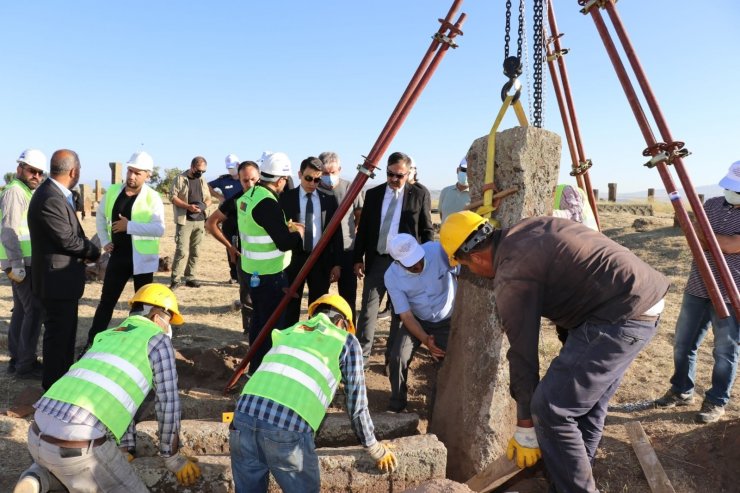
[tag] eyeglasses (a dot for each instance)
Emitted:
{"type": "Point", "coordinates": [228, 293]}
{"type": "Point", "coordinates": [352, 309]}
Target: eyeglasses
{"type": "Point", "coordinates": [311, 179]}
{"type": "Point", "coordinates": [398, 176]}
{"type": "Point", "coordinates": [32, 171]}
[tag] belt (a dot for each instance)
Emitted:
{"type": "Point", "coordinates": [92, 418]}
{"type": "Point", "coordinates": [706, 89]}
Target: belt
{"type": "Point", "coordinates": [67, 443]}
{"type": "Point", "coordinates": [646, 318]}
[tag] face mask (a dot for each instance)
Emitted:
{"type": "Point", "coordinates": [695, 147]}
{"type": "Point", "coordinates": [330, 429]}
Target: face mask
{"type": "Point", "coordinates": [732, 197]}
{"type": "Point", "coordinates": [197, 173]}
{"type": "Point", "coordinates": [462, 178]}
{"type": "Point", "coordinates": [330, 180]}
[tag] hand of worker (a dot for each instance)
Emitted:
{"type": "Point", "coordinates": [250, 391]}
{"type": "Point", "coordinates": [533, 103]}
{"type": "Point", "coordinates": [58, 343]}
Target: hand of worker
{"type": "Point", "coordinates": [233, 253]}
{"type": "Point", "coordinates": [108, 248]}
{"type": "Point", "coordinates": [185, 468]}
{"type": "Point", "coordinates": [524, 444]}
{"type": "Point", "coordinates": [336, 271]}
{"type": "Point", "coordinates": [297, 228]}
{"type": "Point", "coordinates": [436, 352]}
{"type": "Point", "coordinates": [126, 454]}
{"type": "Point", "coordinates": [385, 460]}
{"type": "Point", "coordinates": [359, 269]}
{"type": "Point", "coordinates": [17, 274]}
{"type": "Point", "coordinates": [120, 226]}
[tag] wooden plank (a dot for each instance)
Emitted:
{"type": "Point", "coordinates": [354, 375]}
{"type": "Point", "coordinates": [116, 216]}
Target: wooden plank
{"type": "Point", "coordinates": [494, 475]}
{"type": "Point", "coordinates": [654, 472]}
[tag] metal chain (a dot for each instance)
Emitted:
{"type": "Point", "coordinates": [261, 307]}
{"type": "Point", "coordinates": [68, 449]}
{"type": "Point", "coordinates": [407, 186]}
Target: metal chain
{"type": "Point", "coordinates": [507, 29]}
{"type": "Point", "coordinates": [537, 61]}
{"type": "Point", "coordinates": [544, 60]}
{"type": "Point", "coordinates": [520, 31]}
{"type": "Point", "coordinates": [527, 72]}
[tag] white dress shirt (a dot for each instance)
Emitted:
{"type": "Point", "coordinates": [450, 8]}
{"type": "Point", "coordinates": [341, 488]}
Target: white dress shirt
{"type": "Point", "coordinates": [396, 220]}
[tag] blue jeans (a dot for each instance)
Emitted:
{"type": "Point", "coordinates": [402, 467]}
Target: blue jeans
{"type": "Point", "coordinates": [691, 328]}
{"type": "Point", "coordinates": [570, 403]}
{"type": "Point", "coordinates": [258, 447]}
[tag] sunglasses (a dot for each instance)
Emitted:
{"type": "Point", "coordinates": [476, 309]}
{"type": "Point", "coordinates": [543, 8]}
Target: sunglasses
{"type": "Point", "coordinates": [311, 179]}
{"type": "Point", "coordinates": [399, 176]}
{"type": "Point", "coordinates": [33, 171]}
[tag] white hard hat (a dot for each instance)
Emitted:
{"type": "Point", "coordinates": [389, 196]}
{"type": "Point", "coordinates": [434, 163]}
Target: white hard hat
{"type": "Point", "coordinates": [731, 181]}
{"type": "Point", "coordinates": [33, 157]}
{"type": "Point", "coordinates": [232, 161]}
{"type": "Point", "coordinates": [404, 248]}
{"type": "Point", "coordinates": [141, 160]}
{"type": "Point", "coordinates": [275, 164]}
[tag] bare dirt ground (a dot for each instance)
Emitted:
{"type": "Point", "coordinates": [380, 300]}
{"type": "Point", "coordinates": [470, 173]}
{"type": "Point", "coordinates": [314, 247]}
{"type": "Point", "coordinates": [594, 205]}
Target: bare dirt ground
{"type": "Point", "coordinates": [696, 458]}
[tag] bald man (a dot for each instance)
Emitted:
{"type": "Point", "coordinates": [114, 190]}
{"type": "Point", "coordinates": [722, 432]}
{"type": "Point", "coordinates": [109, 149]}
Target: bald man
{"type": "Point", "coordinates": [60, 250]}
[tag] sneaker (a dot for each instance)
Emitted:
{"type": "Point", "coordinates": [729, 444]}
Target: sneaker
{"type": "Point", "coordinates": [710, 413]}
{"type": "Point", "coordinates": [385, 314]}
{"type": "Point", "coordinates": [174, 285]}
{"type": "Point", "coordinates": [192, 283]}
{"type": "Point", "coordinates": [233, 281]}
{"type": "Point", "coordinates": [29, 483]}
{"type": "Point", "coordinates": [673, 399]}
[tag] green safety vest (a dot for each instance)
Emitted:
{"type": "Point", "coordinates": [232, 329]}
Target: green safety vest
{"type": "Point", "coordinates": [113, 377]}
{"type": "Point", "coordinates": [301, 371]}
{"type": "Point", "coordinates": [24, 235]}
{"type": "Point", "coordinates": [259, 252]}
{"type": "Point", "coordinates": [141, 212]}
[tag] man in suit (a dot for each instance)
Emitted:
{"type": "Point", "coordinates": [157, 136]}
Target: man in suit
{"type": "Point", "coordinates": [392, 208]}
{"type": "Point", "coordinates": [314, 209]}
{"type": "Point", "coordinates": [60, 250]}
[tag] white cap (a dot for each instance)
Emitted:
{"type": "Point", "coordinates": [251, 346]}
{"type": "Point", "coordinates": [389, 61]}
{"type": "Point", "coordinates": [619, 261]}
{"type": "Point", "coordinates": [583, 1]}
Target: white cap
{"type": "Point", "coordinates": [731, 181]}
{"type": "Point", "coordinates": [276, 164]}
{"type": "Point", "coordinates": [33, 157]}
{"type": "Point", "coordinates": [232, 161]}
{"type": "Point", "coordinates": [141, 160]}
{"type": "Point", "coordinates": [404, 248]}
{"type": "Point", "coordinates": [464, 163]}
{"type": "Point", "coordinates": [412, 163]}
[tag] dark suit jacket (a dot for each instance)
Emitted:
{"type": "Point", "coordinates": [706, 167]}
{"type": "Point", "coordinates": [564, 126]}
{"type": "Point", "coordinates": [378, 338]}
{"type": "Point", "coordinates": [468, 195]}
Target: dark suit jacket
{"type": "Point", "coordinates": [416, 220]}
{"type": "Point", "coordinates": [289, 201]}
{"type": "Point", "coordinates": [59, 246]}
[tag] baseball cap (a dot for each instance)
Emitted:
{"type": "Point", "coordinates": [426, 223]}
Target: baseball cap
{"type": "Point", "coordinates": [731, 181]}
{"type": "Point", "coordinates": [232, 161]}
{"type": "Point", "coordinates": [464, 164]}
{"type": "Point", "coordinates": [404, 248]}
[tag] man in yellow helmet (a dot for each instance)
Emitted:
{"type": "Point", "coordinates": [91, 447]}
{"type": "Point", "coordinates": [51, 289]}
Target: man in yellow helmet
{"type": "Point", "coordinates": [607, 299]}
{"type": "Point", "coordinates": [285, 400]}
{"type": "Point", "coordinates": [83, 431]}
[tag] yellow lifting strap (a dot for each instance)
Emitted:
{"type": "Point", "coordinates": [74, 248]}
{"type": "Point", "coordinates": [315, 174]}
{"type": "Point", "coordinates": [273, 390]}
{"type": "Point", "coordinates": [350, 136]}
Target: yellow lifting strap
{"type": "Point", "coordinates": [487, 209]}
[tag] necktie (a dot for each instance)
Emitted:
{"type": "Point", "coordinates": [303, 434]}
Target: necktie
{"type": "Point", "coordinates": [308, 235]}
{"type": "Point", "coordinates": [385, 228]}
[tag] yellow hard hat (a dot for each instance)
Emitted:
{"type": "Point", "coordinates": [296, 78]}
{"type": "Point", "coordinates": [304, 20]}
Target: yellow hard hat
{"type": "Point", "coordinates": [337, 302]}
{"type": "Point", "coordinates": [159, 295]}
{"type": "Point", "coordinates": [456, 229]}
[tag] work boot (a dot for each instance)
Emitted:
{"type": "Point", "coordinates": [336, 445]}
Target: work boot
{"type": "Point", "coordinates": [29, 483]}
{"type": "Point", "coordinates": [710, 413]}
{"type": "Point", "coordinates": [192, 283]}
{"type": "Point", "coordinates": [673, 399]}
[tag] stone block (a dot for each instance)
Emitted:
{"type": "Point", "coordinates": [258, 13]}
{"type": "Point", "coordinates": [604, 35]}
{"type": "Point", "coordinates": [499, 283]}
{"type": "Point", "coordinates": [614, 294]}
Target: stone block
{"type": "Point", "coordinates": [421, 458]}
{"type": "Point", "coordinates": [473, 384]}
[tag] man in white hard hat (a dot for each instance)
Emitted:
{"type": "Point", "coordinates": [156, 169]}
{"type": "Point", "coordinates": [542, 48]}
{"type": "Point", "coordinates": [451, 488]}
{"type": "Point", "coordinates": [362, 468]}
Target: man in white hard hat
{"type": "Point", "coordinates": [129, 222]}
{"type": "Point", "coordinates": [266, 241]}
{"type": "Point", "coordinates": [190, 197]}
{"type": "Point", "coordinates": [224, 188]}
{"type": "Point", "coordinates": [15, 260]}
{"type": "Point", "coordinates": [455, 198]}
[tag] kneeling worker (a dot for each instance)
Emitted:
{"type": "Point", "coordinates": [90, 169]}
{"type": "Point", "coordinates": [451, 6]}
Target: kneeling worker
{"type": "Point", "coordinates": [284, 402]}
{"type": "Point", "coordinates": [87, 415]}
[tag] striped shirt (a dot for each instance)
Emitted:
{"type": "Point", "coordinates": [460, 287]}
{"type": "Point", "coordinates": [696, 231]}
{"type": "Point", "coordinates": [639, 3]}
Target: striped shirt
{"type": "Point", "coordinates": [724, 220]}
{"type": "Point", "coordinates": [353, 378]}
{"type": "Point", "coordinates": [167, 401]}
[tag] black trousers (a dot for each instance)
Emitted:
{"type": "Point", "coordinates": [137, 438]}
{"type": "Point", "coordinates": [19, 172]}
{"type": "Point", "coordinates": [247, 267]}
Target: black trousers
{"type": "Point", "coordinates": [318, 285]}
{"type": "Point", "coordinates": [58, 349]}
{"type": "Point", "coordinates": [265, 299]}
{"type": "Point", "coordinates": [347, 284]}
{"type": "Point", "coordinates": [119, 271]}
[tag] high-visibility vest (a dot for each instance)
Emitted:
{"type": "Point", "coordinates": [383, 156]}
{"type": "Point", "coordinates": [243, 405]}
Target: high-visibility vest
{"type": "Point", "coordinates": [113, 377]}
{"type": "Point", "coordinates": [141, 212]}
{"type": "Point", "coordinates": [301, 371]}
{"type": "Point", "coordinates": [24, 235]}
{"type": "Point", "coordinates": [259, 252]}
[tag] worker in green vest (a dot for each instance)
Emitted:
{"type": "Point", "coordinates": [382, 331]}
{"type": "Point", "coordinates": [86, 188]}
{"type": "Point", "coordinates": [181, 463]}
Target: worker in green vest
{"type": "Point", "coordinates": [83, 433]}
{"type": "Point", "coordinates": [266, 241]}
{"type": "Point", "coordinates": [285, 401]}
{"type": "Point", "coordinates": [129, 222]}
{"type": "Point", "coordinates": [15, 260]}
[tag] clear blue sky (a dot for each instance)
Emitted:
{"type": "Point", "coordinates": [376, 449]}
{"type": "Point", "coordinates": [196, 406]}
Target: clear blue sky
{"type": "Point", "coordinates": [212, 78]}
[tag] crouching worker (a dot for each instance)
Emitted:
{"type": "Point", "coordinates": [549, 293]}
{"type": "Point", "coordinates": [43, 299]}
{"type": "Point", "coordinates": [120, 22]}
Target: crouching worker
{"type": "Point", "coordinates": [284, 402]}
{"type": "Point", "coordinates": [83, 431]}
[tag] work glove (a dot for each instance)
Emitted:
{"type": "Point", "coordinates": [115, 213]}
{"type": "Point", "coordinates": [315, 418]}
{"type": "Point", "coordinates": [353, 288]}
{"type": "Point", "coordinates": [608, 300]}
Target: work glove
{"type": "Point", "coordinates": [185, 468]}
{"type": "Point", "coordinates": [126, 454]}
{"type": "Point", "coordinates": [17, 274]}
{"type": "Point", "coordinates": [385, 460]}
{"type": "Point", "coordinates": [524, 443]}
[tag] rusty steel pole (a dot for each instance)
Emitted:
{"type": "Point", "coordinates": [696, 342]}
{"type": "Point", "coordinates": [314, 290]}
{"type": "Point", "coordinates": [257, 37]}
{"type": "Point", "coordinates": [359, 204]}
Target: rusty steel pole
{"type": "Point", "coordinates": [441, 43]}
{"type": "Point", "coordinates": [644, 125]}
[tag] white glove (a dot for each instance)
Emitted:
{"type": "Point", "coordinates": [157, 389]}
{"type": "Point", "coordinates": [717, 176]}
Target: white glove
{"type": "Point", "coordinates": [384, 458]}
{"type": "Point", "coordinates": [526, 437]}
{"type": "Point", "coordinates": [185, 468]}
{"type": "Point", "coordinates": [17, 274]}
